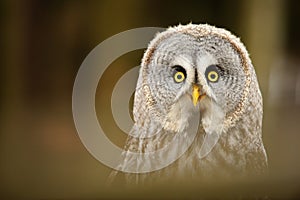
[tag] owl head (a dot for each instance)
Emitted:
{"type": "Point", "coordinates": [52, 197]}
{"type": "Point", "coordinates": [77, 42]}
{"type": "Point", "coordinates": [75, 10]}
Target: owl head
{"type": "Point", "coordinates": [194, 69]}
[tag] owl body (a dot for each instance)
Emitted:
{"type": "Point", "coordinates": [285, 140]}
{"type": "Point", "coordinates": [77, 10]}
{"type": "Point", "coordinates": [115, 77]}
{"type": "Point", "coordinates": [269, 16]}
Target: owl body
{"type": "Point", "coordinates": [197, 73]}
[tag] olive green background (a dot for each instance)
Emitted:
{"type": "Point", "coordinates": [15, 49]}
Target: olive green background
{"type": "Point", "coordinates": [43, 44]}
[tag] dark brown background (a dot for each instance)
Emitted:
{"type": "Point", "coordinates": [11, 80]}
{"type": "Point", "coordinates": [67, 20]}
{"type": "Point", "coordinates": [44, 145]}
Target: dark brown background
{"type": "Point", "coordinates": [43, 44]}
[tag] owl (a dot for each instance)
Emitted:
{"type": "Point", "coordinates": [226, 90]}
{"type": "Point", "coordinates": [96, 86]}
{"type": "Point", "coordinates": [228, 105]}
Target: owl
{"type": "Point", "coordinates": [197, 109]}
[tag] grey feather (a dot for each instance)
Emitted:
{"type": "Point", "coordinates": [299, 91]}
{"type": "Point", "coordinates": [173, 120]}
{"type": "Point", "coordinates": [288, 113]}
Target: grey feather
{"type": "Point", "coordinates": [229, 138]}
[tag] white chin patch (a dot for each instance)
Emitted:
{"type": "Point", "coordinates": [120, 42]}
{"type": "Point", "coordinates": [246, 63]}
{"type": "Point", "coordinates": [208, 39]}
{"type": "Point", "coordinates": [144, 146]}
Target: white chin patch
{"type": "Point", "coordinates": [177, 120]}
{"type": "Point", "coordinates": [212, 121]}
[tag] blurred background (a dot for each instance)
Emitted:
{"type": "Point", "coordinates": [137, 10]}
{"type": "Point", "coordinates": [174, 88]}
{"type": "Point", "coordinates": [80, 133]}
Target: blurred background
{"type": "Point", "coordinates": [43, 44]}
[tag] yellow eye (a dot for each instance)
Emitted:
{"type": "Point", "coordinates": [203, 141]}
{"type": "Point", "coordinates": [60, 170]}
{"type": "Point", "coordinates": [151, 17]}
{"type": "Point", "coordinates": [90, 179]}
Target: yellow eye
{"type": "Point", "coordinates": [179, 77]}
{"type": "Point", "coordinates": [213, 76]}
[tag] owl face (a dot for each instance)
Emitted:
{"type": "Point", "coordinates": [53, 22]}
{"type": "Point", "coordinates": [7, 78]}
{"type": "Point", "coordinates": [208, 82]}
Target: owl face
{"type": "Point", "coordinates": [193, 74]}
{"type": "Point", "coordinates": [202, 71]}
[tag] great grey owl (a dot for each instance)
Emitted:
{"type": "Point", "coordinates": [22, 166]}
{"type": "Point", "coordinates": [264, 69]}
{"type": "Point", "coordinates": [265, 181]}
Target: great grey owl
{"type": "Point", "coordinates": [195, 74]}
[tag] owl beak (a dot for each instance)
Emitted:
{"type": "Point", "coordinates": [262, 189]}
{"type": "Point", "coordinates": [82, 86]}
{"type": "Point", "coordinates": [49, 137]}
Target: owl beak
{"type": "Point", "coordinates": [196, 94]}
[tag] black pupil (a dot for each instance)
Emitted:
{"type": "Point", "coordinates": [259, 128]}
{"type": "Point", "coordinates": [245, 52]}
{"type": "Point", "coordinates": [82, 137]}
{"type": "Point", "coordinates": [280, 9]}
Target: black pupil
{"type": "Point", "coordinates": [212, 76]}
{"type": "Point", "coordinates": [179, 76]}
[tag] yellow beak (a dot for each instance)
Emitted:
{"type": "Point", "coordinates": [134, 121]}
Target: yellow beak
{"type": "Point", "coordinates": [196, 94]}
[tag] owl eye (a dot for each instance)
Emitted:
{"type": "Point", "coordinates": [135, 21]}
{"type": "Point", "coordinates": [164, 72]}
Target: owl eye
{"type": "Point", "coordinates": [179, 77]}
{"type": "Point", "coordinates": [212, 73]}
{"type": "Point", "coordinates": [179, 74]}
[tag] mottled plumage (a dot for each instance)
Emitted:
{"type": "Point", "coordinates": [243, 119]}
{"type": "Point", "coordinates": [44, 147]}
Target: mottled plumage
{"type": "Point", "coordinates": [214, 64]}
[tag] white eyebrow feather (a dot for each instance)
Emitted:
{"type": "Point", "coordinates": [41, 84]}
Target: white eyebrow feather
{"type": "Point", "coordinates": [186, 62]}
{"type": "Point", "coordinates": [203, 61]}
